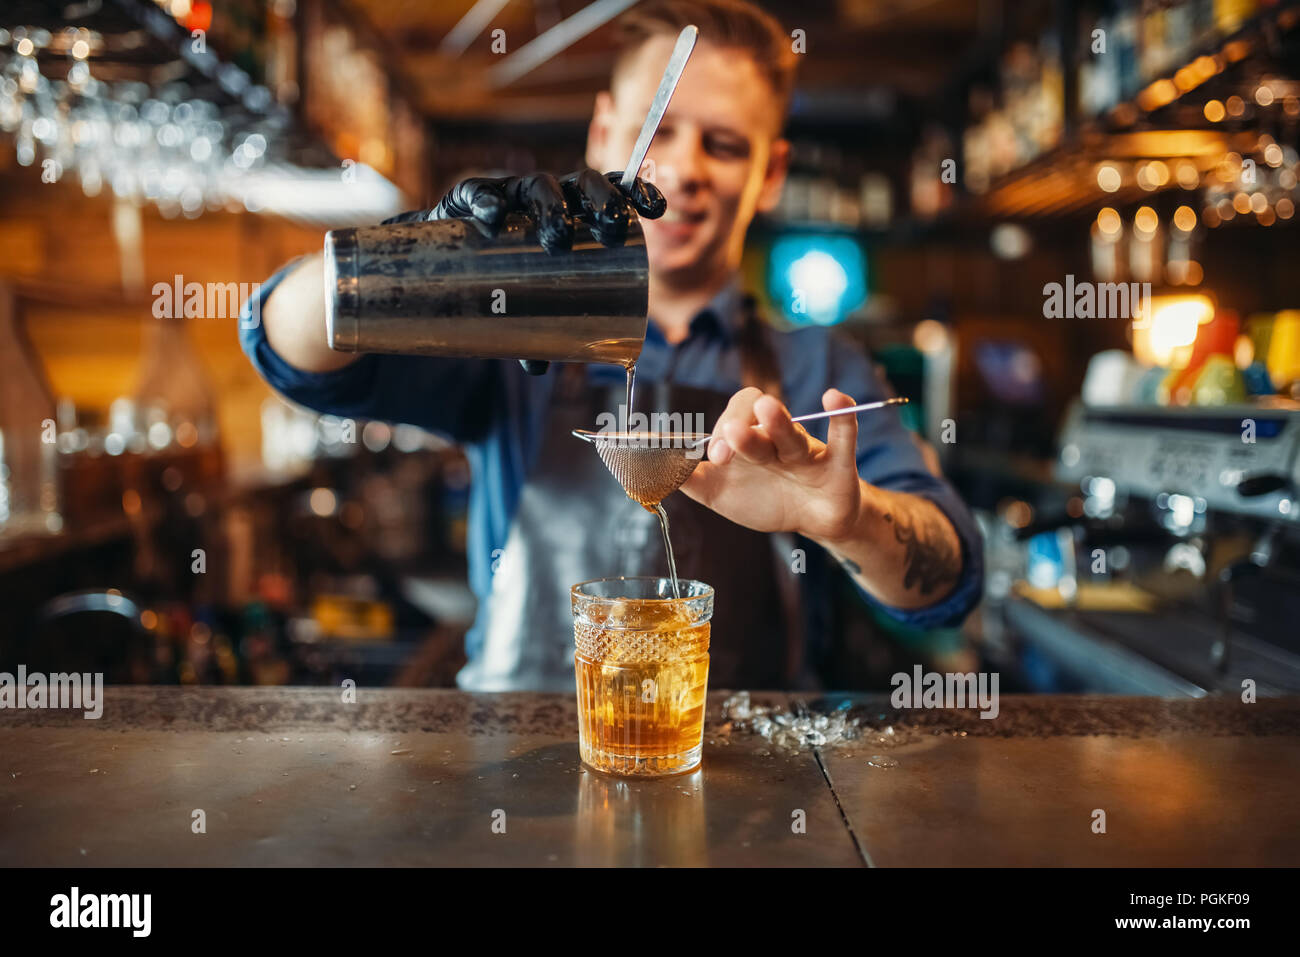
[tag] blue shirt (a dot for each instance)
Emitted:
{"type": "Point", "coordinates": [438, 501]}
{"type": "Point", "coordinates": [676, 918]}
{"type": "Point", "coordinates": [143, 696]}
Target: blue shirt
{"type": "Point", "coordinates": [497, 412]}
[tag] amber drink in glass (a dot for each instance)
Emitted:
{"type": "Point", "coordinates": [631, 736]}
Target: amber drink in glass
{"type": "Point", "coordinates": [642, 667]}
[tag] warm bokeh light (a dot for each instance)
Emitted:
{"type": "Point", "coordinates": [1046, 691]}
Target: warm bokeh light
{"type": "Point", "coordinates": [1185, 218]}
{"type": "Point", "coordinates": [1243, 351]}
{"type": "Point", "coordinates": [1236, 50]}
{"type": "Point", "coordinates": [1160, 93]}
{"type": "Point", "coordinates": [1214, 111]}
{"type": "Point", "coordinates": [1235, 105]}
{"type": "Point", "coordinates": [1016, 512]}
{"type": "Point", "coordinates": [1108, 221]}
{"type": "Point", "coordinates": [200, 17]}
{"type": "Point", "coordinates": [1109, 178]}
{"type": "Point", "coordinates": [930, 336]}
{"type": "Point", "coordinates": [1264, 95]}
{"type": "Point", "coordinates": [323, 502]}
{"type": "Point", "coordinates": [1164, 338]}
{"type": "Point", "coordinates": [1285, 208]}
{"type": "Point", "coordinates": [1146, 220]}
{"type": "Point", "coordinates": [1158, 172]}
{"type": "Point", "coordinates": [1010, 241]}
{"type": "Point", "coordinates": [1204, 67]}
{"type": "Point", "coordinates": [1241, 203]}
{"type": "Point", "coordinates": [1187, 175]}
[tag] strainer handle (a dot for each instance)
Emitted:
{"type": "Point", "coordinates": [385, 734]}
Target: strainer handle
{"type": "Point", "coordinates": [864, 407]}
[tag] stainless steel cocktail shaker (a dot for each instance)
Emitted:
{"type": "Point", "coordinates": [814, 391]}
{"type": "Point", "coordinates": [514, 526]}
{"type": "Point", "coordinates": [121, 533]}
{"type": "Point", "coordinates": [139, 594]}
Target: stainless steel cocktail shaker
{"type": "Point", "coordinates": [445, 288]}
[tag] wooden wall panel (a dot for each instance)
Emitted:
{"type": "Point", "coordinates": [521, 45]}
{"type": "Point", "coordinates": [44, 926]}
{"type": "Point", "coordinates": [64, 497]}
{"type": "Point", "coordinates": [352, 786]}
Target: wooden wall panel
{"type": "Point", "coordinates": [58, 246]}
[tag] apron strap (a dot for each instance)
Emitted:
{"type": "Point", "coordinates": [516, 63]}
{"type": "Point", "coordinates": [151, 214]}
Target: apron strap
{"type": "Point", "coordinates": [760, 367]}
{"type": "Point", "coordinates": [758, 363]}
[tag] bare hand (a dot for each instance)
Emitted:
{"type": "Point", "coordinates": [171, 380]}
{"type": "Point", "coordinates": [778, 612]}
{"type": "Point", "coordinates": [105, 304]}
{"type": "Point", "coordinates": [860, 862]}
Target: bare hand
{"type": "Point", "coordinates": [767, 473]}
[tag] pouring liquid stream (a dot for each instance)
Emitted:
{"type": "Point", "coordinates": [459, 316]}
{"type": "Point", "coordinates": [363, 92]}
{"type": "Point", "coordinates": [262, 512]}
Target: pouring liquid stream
{"type": "Point", "coordinates": [668, 547]}
{"type": "Point", "coordinates": [656, 507]}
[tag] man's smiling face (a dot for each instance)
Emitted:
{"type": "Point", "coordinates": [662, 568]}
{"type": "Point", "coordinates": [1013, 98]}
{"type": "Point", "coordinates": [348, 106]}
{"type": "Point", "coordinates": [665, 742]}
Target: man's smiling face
{"type": "Point", "coordinates": [716, 156]}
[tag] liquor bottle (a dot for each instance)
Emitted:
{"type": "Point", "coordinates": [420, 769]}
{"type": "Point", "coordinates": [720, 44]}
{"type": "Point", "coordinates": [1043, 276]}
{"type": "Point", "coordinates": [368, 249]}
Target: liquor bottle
{"type": "Point", "coordinates": [1229, 15]}
{"type": "Point", "coordinates": [1050, 113]}
{"type": "Point", "coordinates": [1124, 44]}
{"type": "Point", "coordinates": [1154, 56]}
{"type": "Point", "coordinates": [1099, 71]}
{"type": "Point", "coordinates": [177, 411]}
{"type": "Point", "coordinates": [173, 394]}
{"type": "Point", "coordinates": [29, 492]}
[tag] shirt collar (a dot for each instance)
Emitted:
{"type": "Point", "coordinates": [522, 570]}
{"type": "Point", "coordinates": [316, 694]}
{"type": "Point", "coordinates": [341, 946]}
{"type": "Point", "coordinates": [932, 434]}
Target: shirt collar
{"type": "Point", "coordinates": [719, 317]}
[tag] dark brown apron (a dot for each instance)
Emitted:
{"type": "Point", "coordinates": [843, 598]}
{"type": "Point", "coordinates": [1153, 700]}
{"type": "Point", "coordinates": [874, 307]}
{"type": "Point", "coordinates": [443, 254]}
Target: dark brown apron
{"type": "Point", "coordinates": [574, 522]}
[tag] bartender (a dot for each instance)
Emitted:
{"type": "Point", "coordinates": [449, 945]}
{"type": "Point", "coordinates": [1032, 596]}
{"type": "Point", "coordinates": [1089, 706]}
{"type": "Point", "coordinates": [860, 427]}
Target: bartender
{"type": "Point", "coordinates": [760, 515]}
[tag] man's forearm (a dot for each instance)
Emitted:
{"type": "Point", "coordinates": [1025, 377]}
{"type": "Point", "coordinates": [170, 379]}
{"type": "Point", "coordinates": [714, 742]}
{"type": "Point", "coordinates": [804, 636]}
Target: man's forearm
{"type": "Point", "coordinates": [294, 319]}
{"type": "Point", "coordinates": [903, 549]}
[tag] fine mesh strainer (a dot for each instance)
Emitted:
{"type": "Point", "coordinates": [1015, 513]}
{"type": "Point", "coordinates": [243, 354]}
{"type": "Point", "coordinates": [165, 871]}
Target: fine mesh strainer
{"type": "Point", "coordinates": [652, 465]}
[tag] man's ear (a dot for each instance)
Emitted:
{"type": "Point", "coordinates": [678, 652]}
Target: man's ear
{"type": "Point", "coordinates": [598, 130]}
{"type": "Point", "coordinates": [778, 164]}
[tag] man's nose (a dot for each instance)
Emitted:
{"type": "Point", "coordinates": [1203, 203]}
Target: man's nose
{"type": "Point", "coordinates": [679, 163]}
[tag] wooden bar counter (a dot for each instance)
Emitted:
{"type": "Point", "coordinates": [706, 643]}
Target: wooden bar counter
{"type": "Point", "coordinates": [294, 776]}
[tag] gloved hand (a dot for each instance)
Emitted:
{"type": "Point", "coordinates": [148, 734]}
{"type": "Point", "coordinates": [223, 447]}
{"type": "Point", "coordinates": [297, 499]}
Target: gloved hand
{"type": "Point", "coordinates": [553, 204]}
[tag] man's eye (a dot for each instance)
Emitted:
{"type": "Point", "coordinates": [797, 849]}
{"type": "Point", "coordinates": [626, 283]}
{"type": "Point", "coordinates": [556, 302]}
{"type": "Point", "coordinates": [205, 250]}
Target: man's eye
{"type": "Point", "coordinates": [728, 147]}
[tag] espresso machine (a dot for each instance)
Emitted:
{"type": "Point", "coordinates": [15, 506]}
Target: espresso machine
{"type": "Point", "coordinates": [1171, 564]}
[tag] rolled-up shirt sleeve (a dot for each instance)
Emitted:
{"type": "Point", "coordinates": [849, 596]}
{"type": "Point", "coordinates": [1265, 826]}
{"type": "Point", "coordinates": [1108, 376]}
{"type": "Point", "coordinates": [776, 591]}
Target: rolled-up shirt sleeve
{"type": "Point", "coordinates": [447, 396]}
{"type": "Point", "coordinates": [889, 458]}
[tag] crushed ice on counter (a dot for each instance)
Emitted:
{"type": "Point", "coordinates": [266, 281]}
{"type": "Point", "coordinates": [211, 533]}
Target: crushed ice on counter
{"type": "Point", "coordinates": [788, 729]}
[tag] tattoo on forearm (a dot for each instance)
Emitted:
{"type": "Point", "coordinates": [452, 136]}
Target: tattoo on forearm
{"type": "Point", "coordinates": [930, 562]}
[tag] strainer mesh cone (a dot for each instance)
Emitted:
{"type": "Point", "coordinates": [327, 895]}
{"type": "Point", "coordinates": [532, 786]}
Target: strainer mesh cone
{"type": "Point", "coordinates": [648, 471]}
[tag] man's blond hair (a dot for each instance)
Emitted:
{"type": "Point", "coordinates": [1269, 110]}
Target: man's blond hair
{"type": "Point", "coordinates": [732, 24]}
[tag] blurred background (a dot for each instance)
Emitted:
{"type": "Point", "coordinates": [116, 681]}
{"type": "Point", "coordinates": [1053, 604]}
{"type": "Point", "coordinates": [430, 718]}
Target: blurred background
{"type": "Point", "coordinates": [165, 518]}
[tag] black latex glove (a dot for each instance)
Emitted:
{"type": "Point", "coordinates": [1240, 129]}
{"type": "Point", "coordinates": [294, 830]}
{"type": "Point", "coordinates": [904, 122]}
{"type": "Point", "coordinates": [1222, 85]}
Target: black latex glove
{"type": "Point", "coordinates": [553, 204]}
